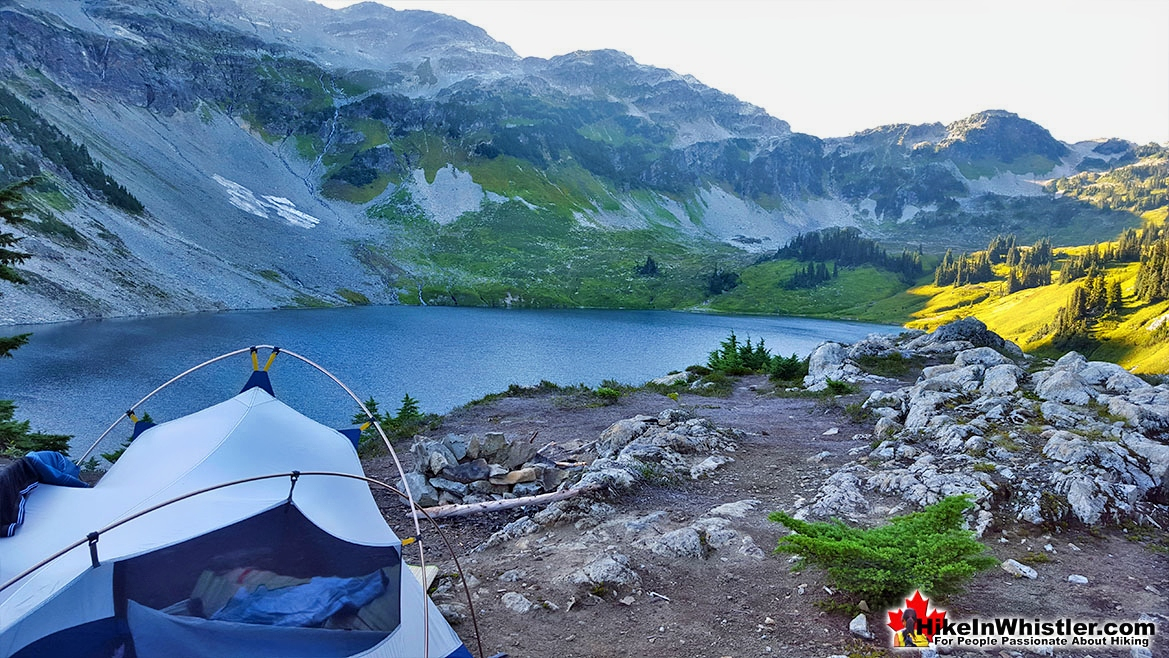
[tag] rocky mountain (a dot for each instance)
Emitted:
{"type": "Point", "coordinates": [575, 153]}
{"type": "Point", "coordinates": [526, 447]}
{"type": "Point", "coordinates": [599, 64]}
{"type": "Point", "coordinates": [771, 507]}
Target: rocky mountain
{"type": "Point", "coordinates": [254, 153]}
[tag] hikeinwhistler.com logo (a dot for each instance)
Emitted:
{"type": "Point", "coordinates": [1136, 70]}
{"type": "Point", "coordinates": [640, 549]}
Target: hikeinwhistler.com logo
{"type": "Point", "coordinates": [917, 624]}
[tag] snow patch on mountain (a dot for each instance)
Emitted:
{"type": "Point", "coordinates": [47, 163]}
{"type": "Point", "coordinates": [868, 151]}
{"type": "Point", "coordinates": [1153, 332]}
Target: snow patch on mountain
{"type": "Point", "coordinates": [266, 206]}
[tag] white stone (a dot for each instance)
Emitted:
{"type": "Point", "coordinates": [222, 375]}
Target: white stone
{"type": "Point", "coordinates": [1019, 570]}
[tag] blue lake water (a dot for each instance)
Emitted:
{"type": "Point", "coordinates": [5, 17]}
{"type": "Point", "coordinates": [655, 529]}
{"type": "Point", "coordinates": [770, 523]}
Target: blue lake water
{"type": "Point", "coordinates": [77, 378]}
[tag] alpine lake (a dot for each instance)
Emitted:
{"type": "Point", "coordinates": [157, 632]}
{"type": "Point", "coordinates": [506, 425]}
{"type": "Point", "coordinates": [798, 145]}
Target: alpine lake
{"type": "Point", "coordinates": [77, 378]}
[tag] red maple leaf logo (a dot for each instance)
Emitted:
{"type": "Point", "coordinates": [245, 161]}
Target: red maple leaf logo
{"type": "Point", "coordinates": [930, 620]}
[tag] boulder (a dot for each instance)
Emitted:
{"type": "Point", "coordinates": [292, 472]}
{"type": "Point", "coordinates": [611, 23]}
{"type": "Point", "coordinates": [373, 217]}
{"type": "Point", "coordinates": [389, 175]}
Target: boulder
{"type": "Point", "coordinates": [424, 494]}
{"type": "Point", "coordinates": [618, 435]}
{"type": "Point", "coordinates": [708, 466]}
{"type": "Point", "coordinates": [517, 603]}
{"type": "Point", "coordinates": [611, 571]}
{"type": "Point", "coordinates": [983, 356]}
{"type": "Point", "coordinates": [738, 509]}
{"type": "Point", "coordinates": [671, 416]}
{"type": "Point", "coordinates": [513, 477]}
{"type": "Point", "coordinates": [1002, 379]}
{"type": "Point", "coordinates": [969, 330]}
{"type": "Point", "coordinates": [684, 542]}
{"type": "Point", "coordinates": [518, 454]}
{"type": "Point", "coordinates": [1019, 570]}
{"type": "Point", "coordinates": [457, 444]}
{"type": "Point", "coordinates": [492, 446]}
{"type": "Point", "coordinates": [859, 626]}
{"type": "Point", "coordinates": [670, 380]}
{"type": "Point", "coordinates": [442, 484]}
{"type": "Point", "coordinates": [467, 472]}
{"type": "Point", "coordinates": [1064, 386]}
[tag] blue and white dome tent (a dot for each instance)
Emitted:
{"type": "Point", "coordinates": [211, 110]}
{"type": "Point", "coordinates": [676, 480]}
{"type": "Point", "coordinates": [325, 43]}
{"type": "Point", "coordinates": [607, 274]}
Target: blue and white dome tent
{"type": "Point", "coordinates": [243, 529]}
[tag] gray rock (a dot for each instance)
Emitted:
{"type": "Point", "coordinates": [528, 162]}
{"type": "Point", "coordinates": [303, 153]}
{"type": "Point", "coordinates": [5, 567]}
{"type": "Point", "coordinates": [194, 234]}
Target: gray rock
{"type": "Point", "coordinates": [684, 543]}
{"type": "Point", "coordinates": [1001, 379]}
{"type": "Point", "coordinates": [969, 330]}
{"type": "Point", "coordinates": [646, 522]}
{"type": "Point", "coordinates": [1077, 579]}
{"type": "Point", "coordinates": [454, 613]}
{"type": "Point", "coordinates": [611, 571]}
{"type": "Point", "coordinates": [618, 479]}
{"type": "Point", "coordinates": [1019, 570]}
{"type": "Point", "coordinates": [671, 416]}
{"type": "Point", "coordinates": [518, 454]}
{"type": "Point", "coordinates": [708, 466]}
{"type": "Point", "coordinates": [449, 498]}
{"type": "Point", "coordinates": [738, 509]}
{"type": "Point", "coordinates": [1140, 652]}
{"type": "Point", "coordinates": [424, 494]}
{"type": "Point", "coordinates": [670, 380]}
{"type": "Point", "coordinates": [1072, 361]}
{"type": "Point", "coordinates": [1060, 414]}
{"type": "Point", "coordinates": [528, 489]}
{"type": "Point", "coordinates": [517, 603]}
{"type": "Point", "coordinates": [442, 484]}
{"type": "Point", "coordinates": [983, 356]}
{"type": "Point", "coordinates": [1111, 376]}
{"type": "Point", "coordinates": [468, 472]}
{"type": "Point", "coordinates": [432, 456]}
{"type": "Point", "coordinates": [618, 435]}
{"type": "Point", "coordinates": [750, 549]}
{"type": "Point", "coordinates": [457, 444]}
{"type": "Point", "coordinates": [1146, 414]}
{"type": "Point", "coordinates": [859, 626]}
{"type": "Point", "coordinates": [1064, 386]}
{"type": "Point", "coordinates": [493, 446]}
{"type": "Point", "coordinates": [514, 530]}
{"type": "Point", "coordinates": [840, 495]}
{"type": "Point", "coordinates": [886, 427]}
{"type": "Point", "coordinates": [513, 575]}
{"type": "Point", "coordinates": [826, 359]}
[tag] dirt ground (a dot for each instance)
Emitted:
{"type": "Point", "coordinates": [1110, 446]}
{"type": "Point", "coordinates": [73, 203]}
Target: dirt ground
{"type": "Point", "coordinates": [730, 604]}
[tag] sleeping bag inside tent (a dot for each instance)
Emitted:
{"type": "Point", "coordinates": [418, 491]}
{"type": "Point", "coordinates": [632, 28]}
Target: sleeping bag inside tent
{"type": "Point", "coordinates": [296, 561]}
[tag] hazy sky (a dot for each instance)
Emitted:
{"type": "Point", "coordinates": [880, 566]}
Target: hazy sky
{"type": "Point", "coordinates": [832, 67]}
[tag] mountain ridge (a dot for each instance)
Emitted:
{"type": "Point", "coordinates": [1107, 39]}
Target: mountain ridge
{"type": "Point", "coordinates": [281, 145]}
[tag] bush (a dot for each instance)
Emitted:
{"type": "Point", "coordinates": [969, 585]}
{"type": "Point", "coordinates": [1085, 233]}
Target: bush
{"type": "Point", "coordinates": [735, 358]}
{"type": "Point", "coordinates": [788, 368]}
{"type": "Point", "coordinates": [607, 395]}
{"type": "Point", "coordinates": [926, 550]}
{"type": "Point", "coordinates": [837, 387]}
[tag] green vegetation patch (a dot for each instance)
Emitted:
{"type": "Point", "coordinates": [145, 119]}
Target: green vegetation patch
{"type": "Point", "coordinates": [927, 550]}
{"type": "Point", "coordinates": [512, 254]}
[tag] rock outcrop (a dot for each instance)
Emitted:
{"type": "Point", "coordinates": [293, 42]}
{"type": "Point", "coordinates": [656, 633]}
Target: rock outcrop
{"type": "Point", "coordinates": [1078, 441]}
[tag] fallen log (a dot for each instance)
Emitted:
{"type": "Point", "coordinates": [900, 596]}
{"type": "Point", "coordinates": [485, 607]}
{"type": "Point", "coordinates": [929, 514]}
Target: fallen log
{"type": "Point", "coordinates": [442, 511]}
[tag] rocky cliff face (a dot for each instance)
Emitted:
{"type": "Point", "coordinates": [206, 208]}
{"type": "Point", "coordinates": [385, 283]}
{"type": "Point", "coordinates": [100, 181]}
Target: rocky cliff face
{"type": "Point", "coordinates": [281, 123]}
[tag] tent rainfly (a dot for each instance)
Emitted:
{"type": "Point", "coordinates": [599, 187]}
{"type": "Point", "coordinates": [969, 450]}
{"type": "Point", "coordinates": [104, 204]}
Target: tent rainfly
{"type": "Point", "coordinates": [295, 561]}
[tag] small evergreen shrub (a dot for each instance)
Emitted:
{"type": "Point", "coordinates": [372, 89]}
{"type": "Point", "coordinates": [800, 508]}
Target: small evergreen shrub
{"type": "Point", "coordinates": [607, 396]}
{"type": "Point", "coordinates": [788, 368]}
{"type": "Point", "coordinates": [926, 550]}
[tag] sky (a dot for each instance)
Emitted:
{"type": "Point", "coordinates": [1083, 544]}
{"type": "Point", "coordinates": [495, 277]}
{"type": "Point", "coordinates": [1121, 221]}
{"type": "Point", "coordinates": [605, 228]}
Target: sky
{"type": "Point", "coordinates": [1083, 70]}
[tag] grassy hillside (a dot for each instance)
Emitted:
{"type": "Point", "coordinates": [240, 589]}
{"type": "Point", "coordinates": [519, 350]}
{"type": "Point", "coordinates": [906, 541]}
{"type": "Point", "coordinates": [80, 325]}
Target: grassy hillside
{"type": "Point", "coordinates": [1132, 335]}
